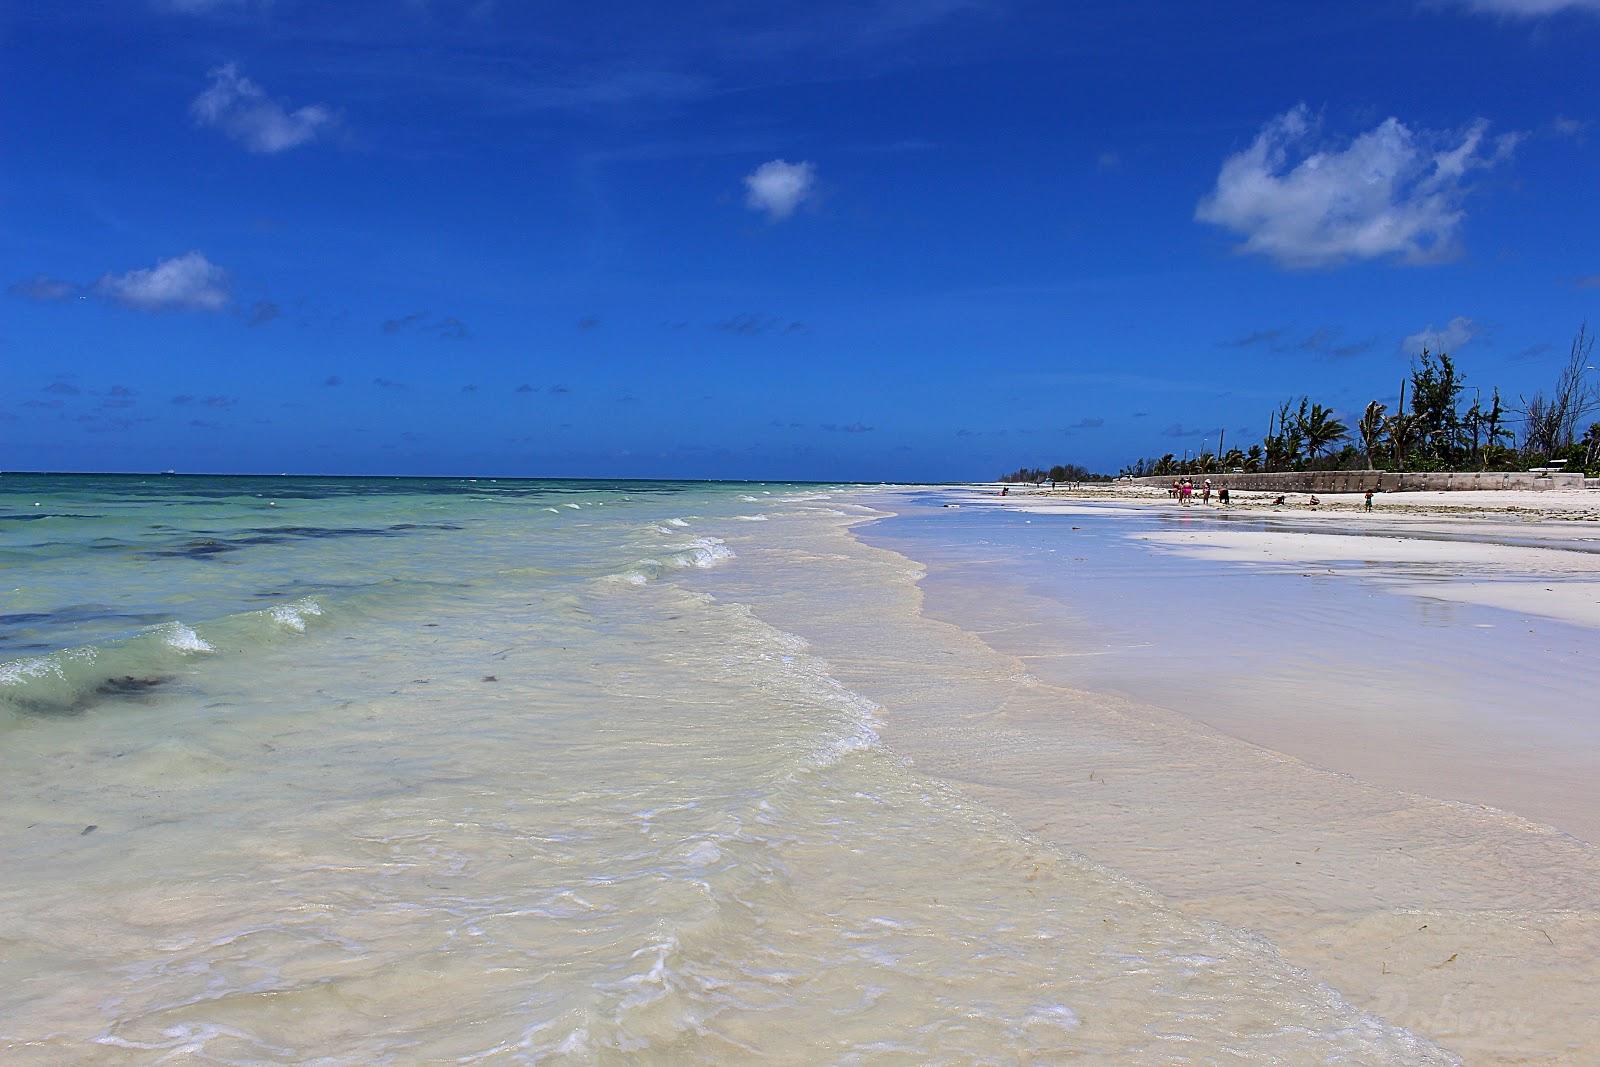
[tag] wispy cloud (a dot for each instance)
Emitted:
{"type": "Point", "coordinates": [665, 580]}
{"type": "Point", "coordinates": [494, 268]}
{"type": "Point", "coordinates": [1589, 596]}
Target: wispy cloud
{"type": "Point", "coordinates": [119, 396]}
{"type": "Point", "coordinates": [1566, 126]}
{"type": "Point", "coordinates": [213, 401]}
{"type": "Point", "coordinates": [1086, 424]}
{"type": "Point", "coordinates": [750, 325]}
{"type": "Point", "coordinates": [1530, 8]}
{"type": "Point", "coordinates": [186, 282]}
{"type": "Point", "coordinates": [1254, 337]}
{"type": "Point", "coordinates": [850, 427]}
{"type": "Point", "coordinates": [1455, 333]}
{"type": "Point", "coordinates": [778, 187]}
{"type": "Point", "coordinates": [388, 383]}
{"type": "Point", "coordinates": [241, 109]}
{"type": "Point", "coordinates": [43, 288]}
{"type": "Point", "coordinates": [1326, 341]}
{"type": "Point", "coordinates": [448, 328]}
{"type": "Point", "coordinates": [263, 312]}
{"type": "Point", "coordinates": [1178, 429]}
{"type": "Point", "coordinates": [1389, 193]}
{"type": "Point", "coordinates": [400, 322]}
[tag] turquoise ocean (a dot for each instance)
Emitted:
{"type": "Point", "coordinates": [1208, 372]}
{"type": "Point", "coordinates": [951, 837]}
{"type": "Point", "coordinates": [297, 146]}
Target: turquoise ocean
{"type": "Point", "coordinates": [383, 771]}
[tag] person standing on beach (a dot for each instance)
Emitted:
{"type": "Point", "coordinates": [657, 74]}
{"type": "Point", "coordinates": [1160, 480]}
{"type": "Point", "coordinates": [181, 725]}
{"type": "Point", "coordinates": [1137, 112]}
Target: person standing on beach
{"type": "Point", "coordinates": [1205, 493]}
{"type": "Point", "coordinates": [1369, 499]}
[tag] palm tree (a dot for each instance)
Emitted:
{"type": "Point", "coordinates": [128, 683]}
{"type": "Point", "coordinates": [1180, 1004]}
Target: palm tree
{"type": "Point", "coordinates": [1253, 459]}
{"type": "Point", "coordinates": [1371, 429]}
{"type": "Point", "coordinates": [1320, 429]}
{"type": "Point", "coordinates": [1401, 430]}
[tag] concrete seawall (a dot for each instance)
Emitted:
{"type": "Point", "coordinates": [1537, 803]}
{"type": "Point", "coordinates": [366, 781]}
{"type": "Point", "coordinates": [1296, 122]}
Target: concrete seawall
{"type": "Point", "coordinates": [1382, 481]}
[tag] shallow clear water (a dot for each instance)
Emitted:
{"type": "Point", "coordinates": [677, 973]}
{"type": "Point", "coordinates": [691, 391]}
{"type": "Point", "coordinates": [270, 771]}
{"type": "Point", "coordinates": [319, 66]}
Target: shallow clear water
{"type": "Point", "coordinates": [1350, 665]}
{"type": "Point", "coordinates": [365, 771]}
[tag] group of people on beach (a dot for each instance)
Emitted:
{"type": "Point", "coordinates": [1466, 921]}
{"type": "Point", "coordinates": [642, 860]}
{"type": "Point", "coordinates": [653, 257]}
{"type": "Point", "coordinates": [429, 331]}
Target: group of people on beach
{"type": "Point", "coordinates": [1184, 491]}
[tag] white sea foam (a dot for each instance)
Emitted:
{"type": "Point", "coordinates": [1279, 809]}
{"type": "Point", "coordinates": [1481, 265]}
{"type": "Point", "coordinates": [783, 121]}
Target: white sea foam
{"type": "Point", "coordinates": [748, 499]}
{"type": "Point", "coordinates": [574, 507]}
{"type": "Point", "coordinates": [751, 518]}
{"type": "Point", "coordinates": [704, 552]}
{"type": "Point", "coordinates": [20, 671]}
{"type": "Point", "coordinates": [184, 639]}
{"type": "Point", "coordinates": [676, 522]}
{"type": "Point", "coordinates": [294, 616]}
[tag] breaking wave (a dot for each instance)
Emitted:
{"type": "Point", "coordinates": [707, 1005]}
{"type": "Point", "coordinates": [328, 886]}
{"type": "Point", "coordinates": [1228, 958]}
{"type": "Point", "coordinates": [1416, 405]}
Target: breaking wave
{"type": "Point", "coordinates": [72, 680]}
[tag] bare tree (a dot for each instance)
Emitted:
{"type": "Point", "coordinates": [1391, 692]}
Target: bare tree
{"type": "Point", "coordinates": [1550, 423]}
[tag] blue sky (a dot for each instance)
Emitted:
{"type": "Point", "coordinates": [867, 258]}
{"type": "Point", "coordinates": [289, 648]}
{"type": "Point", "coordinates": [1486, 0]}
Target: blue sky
{"type": "Point", "coordinates": [892, 239]}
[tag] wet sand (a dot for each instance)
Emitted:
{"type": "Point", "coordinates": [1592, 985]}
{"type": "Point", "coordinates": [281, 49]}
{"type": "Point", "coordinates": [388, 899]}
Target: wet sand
{"type": "Point", "coordinates": [1472, 923]}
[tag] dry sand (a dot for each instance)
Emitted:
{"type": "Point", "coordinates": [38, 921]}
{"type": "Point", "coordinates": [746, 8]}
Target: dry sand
{"type": "Point", "coordinates": [1525, 504]}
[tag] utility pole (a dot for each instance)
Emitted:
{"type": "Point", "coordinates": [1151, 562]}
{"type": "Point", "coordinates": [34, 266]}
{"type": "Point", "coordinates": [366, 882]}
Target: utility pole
{"type": "Point", "coordinates": [1399, 420]}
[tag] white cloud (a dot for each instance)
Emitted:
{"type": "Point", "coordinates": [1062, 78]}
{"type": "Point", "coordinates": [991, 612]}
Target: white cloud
{"type": "Point", "coordinates": [778, 187]}
{"type": "Point", "coordinates": [190, 281]}
{"type": "Point", "coordinates": [241, 109]}
{"type": "Point", "coordinates": [1531, 8]}
{"type": "Point", "coordinates": [1389, 192]}
{"type": "Point", "coordinates": [1455, 333]}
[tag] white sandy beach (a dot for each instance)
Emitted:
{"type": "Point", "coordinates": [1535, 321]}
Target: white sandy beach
{"type": "Point", "coordinates": [1466, 921]}
{"type": "Point", "coordinates": [1532, 552]}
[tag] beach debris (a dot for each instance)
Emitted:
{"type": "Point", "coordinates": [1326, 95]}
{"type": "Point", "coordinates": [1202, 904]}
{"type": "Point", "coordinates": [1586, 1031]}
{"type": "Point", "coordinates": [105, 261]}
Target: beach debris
{"type": "Point", "coordinates": [1452, 959]}
{"type": "Point", "coordinates": [87, 830]}
{"type": "Point", "coordinates": [490, 678]}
